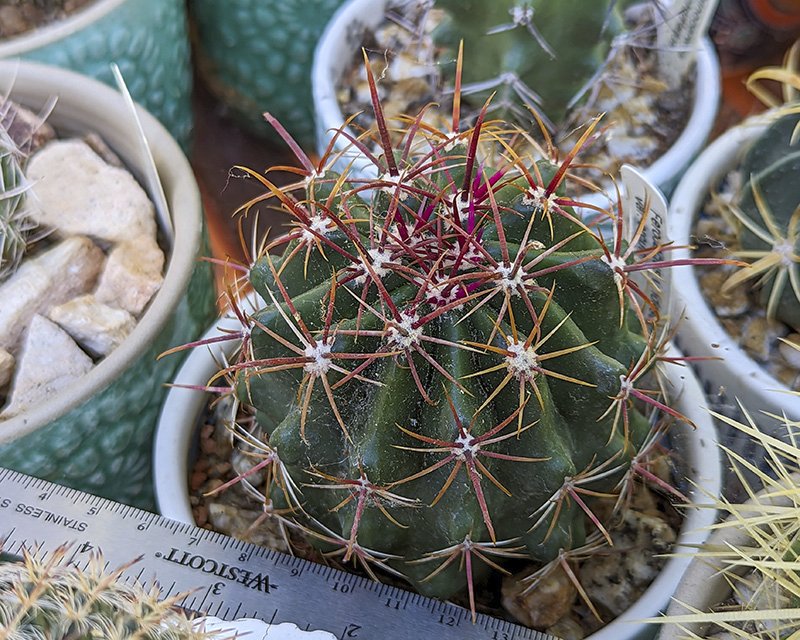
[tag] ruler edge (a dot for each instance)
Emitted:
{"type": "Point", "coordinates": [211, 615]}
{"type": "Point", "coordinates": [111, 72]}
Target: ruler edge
{"type": "Point", "coordinates": [267, 554]}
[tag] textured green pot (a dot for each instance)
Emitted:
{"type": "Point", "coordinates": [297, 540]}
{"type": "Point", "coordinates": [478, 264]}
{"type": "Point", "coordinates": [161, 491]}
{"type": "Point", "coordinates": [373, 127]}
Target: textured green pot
{"type": "Point", "coordinates": [146, 38]}
{"type": "Point", "coordinates": [97, 434]}
{"type": "Point", "coordinates": [256, 55]}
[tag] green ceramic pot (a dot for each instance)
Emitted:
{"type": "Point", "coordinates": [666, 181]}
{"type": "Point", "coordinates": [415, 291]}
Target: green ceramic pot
{"type": "Point", "coordinates": [97, 434]}
{"type": "Point", "coordinates": [256, 55]}
{"type": "Point", "coordinates": [146, 38]}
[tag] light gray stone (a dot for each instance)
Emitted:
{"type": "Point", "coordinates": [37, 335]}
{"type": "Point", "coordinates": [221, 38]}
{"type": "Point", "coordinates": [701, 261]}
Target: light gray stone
{"type": "Point", "coordinates": [614, 580]}
{"type": "Point", "coordinates": [542, 604]}
{"type": "Point", "coordinates": [67, 270]}
{"type": "Point", "coordinates": [132, 276]}
{"type": "Point", "coordinates": [95, 326]}
{"type": "Point", "coordinates": [6, 368]}
{"type": "Point", "coordinates": [80, 194]}
{"type": "Point", "coordinates": [239, 523]}
{"type": "Point", "coordinates": [760, 335]}
{"type": "Point", "coordinates": [50, 362]}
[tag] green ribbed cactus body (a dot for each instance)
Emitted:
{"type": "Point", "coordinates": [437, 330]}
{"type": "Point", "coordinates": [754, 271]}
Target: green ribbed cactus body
{"type": "Point", "coordinates": [499, 39]}
{"type": "Point", "coordinates": [14, 223]}
{"type": "Point", "coordinates": [563, 432]}
{"type": "Point", "coordinates": [772, 165]}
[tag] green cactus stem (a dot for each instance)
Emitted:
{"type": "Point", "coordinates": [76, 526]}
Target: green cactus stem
{"type": "Point", "coordinates": [531, 52]}
{"type": "Point", "coordinates": [767, 210]}
{"type": "Point", "coordinates": [446, 376]}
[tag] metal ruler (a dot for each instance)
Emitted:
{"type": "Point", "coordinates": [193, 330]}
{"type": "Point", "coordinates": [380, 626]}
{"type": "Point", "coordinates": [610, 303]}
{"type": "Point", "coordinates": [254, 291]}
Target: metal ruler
{"type": "Point", "coordinates": [229, 578]}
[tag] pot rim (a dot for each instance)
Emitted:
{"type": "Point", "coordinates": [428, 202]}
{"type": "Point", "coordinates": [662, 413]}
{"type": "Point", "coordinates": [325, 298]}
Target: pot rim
{"type": "Point", "coordinates": [85, 104]}
{"type": "Point", "coordinates": [47, 35]}
{"type": "Point", "coordinates": [183, 407]}
{"type": "Point", "coordinates": [357, 15]}
{"type": "Point", "coordinates": [700, 333]}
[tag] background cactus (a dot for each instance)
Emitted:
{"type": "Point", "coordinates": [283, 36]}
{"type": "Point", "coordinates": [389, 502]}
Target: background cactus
{"type": "Point", "coordinates": [767, 213]}
{"type": "Point", "coordinates": [56, 600]}
{"type": "Point", "coordinates": [744, 580]}
{"type": "Point", "coordinates": [15, 224]}
{"type": "Point", "coordinates": [447, 376]}
{"type": "Point", "coordinates": [532, 52]}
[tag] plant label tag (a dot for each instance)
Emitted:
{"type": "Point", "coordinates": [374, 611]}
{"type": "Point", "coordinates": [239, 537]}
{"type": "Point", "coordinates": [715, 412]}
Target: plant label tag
{"type": "Point", "coordinates": [644, 210]}
{"type": "Point", "coordinates": [680, 25]}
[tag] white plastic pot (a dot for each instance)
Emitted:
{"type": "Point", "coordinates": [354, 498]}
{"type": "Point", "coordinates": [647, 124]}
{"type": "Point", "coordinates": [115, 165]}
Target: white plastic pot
{"type": "Point", "coordinates": [343, 36]}
{"type": "Point", "coordinates": [697, 457]}
{"type": "Point", "coordinates": [734, 375]}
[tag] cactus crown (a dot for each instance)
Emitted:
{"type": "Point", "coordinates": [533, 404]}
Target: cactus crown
{"type": "Point", "coordinates": [450, 367]}
{"type": "Point", "coordinates": [56, 600]}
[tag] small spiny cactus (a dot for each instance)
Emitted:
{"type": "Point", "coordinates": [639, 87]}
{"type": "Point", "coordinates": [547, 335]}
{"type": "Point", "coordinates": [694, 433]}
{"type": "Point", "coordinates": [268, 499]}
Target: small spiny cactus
{"type": "Point", "coordinates": [15, 223]}
{"type": "Point", "coordinates": [451, 366]}
{"type": "Point", "coordinates": [755, 548]}
{"type": "Point", "coordinates": [54, 600]}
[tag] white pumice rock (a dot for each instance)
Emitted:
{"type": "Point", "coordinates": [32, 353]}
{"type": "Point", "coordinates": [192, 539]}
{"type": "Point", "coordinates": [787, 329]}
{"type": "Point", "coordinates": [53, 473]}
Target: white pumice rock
{"type": "Point", "coordinates": [95, 326]}
{"type": "Point", "coordinates": [132, 276]}
{"type": "Point", "coordinates": [77, 193]}
{"type": "Point", "coordinates": [6, 367]}
{"type": "Point", "coordinates": [40, 374]}
{"type": "Point", "coordinates": [67, 270]}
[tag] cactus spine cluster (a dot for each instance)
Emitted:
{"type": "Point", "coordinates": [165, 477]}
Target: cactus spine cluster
{"type": "Point", "coordinates": [531, 52]}
{"type": "Point", "coordinates": [54, 600]}
{"type": "Point", "coordinates": [767, 213]}
{"type": "Point", "coordinates": [15, 223]}
{"type": "Point", "coordinates": [449, 369]}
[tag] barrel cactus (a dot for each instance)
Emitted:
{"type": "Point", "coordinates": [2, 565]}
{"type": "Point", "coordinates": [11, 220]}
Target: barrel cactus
{"type": "Point", "coordinates": [450, 366]}
{"type": "Point", "coordinates": [767, 212]}
{"type": "Point", "coordinates": [15, 222]}
{"type": "Point", "coordinates": [56, 600]}
{"type": "Point", "coordinates": [531, 52]}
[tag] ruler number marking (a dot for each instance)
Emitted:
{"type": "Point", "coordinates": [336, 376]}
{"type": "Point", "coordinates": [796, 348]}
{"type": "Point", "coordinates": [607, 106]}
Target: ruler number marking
{"type": "Point", "coordinates": [341, 587]}
{"type": "Point", "coordinates": [448, 621]}
{"type": "Point", "coordinates": [394, 603]}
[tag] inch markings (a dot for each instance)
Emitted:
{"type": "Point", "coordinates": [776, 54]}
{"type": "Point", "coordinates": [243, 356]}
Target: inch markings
{"type": "Point", "coordinates": [225, 577]}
